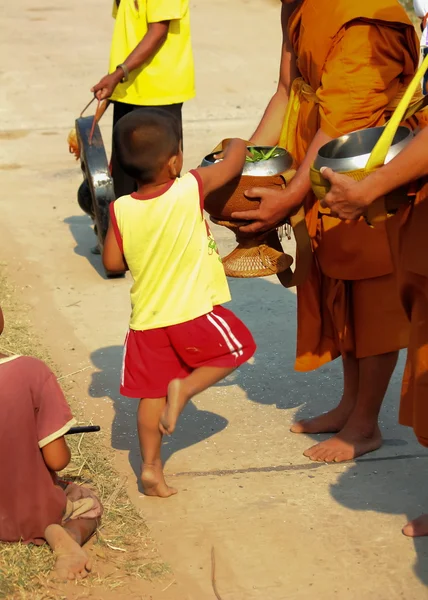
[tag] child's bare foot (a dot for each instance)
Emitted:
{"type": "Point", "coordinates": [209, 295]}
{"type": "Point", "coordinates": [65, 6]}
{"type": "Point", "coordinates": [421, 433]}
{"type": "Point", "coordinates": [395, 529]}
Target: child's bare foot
{"type": "Point", "coordinates": [176, 401]}
{"type": "Point", "coordinates": [72, 562]}
{"type": "Point", "coordinates": [417, 528]}
{"type": "Point", "coordinates": [154, 483]}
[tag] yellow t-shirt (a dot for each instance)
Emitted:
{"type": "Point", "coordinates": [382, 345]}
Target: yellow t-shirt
{"type": "Point", "coordinates": [166, 78]}
{"type": "Point", "coordinates": [171, 254]}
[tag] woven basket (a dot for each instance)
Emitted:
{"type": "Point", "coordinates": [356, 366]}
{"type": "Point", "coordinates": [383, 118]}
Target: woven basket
{"type": "Point", "coordinates": [254, 256]}
{"type": "Point", "coordinates": [259, 255]}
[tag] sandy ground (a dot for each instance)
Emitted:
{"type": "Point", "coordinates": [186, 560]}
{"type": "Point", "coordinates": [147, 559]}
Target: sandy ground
{"type": "Point", "coordinates": [282, 527]}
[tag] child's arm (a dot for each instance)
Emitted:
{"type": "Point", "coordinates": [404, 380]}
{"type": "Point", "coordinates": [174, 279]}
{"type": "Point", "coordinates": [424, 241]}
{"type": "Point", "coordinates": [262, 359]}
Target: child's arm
{"type": "Point", "coordinates": [113, 260]}
{"type": "Point", "coordinates": [57, 454]}
{"type": "Point", "coordinates": [218, 174]}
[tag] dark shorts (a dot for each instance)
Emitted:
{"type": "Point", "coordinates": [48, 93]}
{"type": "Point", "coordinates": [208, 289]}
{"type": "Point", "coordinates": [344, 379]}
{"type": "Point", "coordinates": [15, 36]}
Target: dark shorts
{"type": "Point", "coordinates": [123, 184]}
{"type": "Point", "coordinates": [152, 358]}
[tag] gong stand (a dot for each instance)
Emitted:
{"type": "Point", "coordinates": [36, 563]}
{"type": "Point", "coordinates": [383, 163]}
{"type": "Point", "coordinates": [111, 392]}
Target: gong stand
{"type": "Point", "coordinates": [96, 192]}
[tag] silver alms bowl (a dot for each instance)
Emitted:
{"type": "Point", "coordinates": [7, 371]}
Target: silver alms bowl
{"type": "Point", "coordinates": [271, 166]}
{"type": "Point", "coordinates": [352, 151]}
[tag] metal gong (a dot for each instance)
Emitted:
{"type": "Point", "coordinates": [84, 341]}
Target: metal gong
{"type": "Point", "coordinates": [96, 192]}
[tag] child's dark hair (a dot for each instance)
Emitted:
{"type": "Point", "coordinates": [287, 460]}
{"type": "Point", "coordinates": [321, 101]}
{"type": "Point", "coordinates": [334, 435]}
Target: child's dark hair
{"type": "Point", "coordinates": [144, 140]}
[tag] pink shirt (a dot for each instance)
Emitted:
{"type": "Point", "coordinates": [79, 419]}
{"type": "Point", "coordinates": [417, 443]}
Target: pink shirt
{"type": "Point", "coordinates": [33, 413]}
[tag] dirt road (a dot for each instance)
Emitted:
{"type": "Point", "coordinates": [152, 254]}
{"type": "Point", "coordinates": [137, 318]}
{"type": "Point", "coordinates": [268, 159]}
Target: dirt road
{"type": "Point", "coordinates": [283, 528]}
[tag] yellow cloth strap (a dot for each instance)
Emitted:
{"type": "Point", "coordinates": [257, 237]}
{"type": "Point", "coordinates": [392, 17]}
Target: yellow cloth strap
{"type": "Point", "coordinates": [300, 90]}
{"type": "Point", "coordinates": [411, 102]}
{"type": "Point", "coordinates": [406, 108]}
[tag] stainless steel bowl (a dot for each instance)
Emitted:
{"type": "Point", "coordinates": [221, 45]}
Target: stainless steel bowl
{"type": "Point", "coordinates": [352, 151]}
{"type": "Point", "coordinates": [263, 168]}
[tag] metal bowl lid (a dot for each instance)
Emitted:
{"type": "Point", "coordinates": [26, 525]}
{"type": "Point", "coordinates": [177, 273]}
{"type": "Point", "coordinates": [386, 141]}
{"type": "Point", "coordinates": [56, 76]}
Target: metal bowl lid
{"type": "Point", "coordinates": [280, 163]}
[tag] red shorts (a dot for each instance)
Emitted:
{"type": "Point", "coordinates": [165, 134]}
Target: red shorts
{"type": "Point", "coordinates": [152, 358]}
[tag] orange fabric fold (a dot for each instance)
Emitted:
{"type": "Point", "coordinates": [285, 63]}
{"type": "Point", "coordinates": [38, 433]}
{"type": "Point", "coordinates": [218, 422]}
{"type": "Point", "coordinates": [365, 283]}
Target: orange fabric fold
{"type": "Point", "coordinates": [414, 394]}
{"type": "Point", "coordinates": [410, 256]}
{"type": "Point", "coordinates": [356, 58]}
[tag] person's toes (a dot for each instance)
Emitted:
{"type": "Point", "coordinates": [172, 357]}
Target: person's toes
{"type": "Point", "coordinates": [298, 427]}
{"type": "Point", "coordinates": [417, 528]}
{"type": "Point", "coordinates": [313, 453]}
{"type": "Point", "coordinates": [329, 456]}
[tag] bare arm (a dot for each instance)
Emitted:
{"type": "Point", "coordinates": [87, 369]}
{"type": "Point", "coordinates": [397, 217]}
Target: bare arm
{"type": "Point", "coordinates": [218, 174]}
{"type": "Point", "coordinates": [113, 259]}
{"type": "Point", "coordinates": [57, 454]}
{"type": "Point", "coordinates": [269, 129]}
{"type": "Point", "coordinates": [149, 45]}
{"type": "Point", "coordinates": [349, 199]}
{"type": "Point", "coordinates": [278, 205]}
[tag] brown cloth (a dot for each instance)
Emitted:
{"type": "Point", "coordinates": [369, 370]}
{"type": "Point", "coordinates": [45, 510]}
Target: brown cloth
{"type": "Point", "coordinates": [355, 58]}
{"type": "Point", "coordinates": [411, 259]}
{"type": "Point", "coordinates": [33, 412]}
{"type": "Point", "coordinates": [82, 503]}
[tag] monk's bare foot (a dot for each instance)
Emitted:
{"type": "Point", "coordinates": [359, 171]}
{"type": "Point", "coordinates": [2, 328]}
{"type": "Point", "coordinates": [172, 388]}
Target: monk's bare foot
{"type": "Point", "coordinates": [417, 528]}
{"type": "Point", "coordinates": [72, 562]}
{"type": "Point", "coordinates": [346, 445]}
{"type": "Point", "coordinates": [176, 401]}
{"type": "Point", "coordinates": [332, 421]}
{"type": "Point", "coordinates": [154, 483]}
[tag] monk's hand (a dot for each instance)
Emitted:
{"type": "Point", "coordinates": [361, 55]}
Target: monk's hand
{"type": "Point", "coordinates": [106, 86]}
{"type": "Point", "coordinates": [273, 210]}
{"type": "Point", "coordinates": [346, 198]}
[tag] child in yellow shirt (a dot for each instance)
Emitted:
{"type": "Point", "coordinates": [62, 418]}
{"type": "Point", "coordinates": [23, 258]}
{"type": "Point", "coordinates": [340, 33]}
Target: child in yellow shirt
{"type": "Point", "coordinates": [181, 340]}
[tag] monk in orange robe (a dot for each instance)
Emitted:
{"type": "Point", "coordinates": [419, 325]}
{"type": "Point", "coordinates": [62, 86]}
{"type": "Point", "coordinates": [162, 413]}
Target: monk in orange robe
{"type": "Point", "coordinates": [344, 66]}
{"type": "Point", "coordinates": [348, 199]}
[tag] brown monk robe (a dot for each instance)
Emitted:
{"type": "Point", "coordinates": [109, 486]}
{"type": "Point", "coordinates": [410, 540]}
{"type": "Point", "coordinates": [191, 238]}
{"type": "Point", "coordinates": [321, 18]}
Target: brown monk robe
{"type": "Point", "coordinates": [412, 263]}
{"type": "Point", "coordinates": [344, 65]}
{"type": "Point", "coordinates": [348, 199]}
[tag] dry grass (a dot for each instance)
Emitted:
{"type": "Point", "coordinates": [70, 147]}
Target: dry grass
{"type": "Point", "coordinates": [123, 547]}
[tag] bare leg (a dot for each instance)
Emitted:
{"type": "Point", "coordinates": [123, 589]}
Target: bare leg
{"type": "Point", "coordinates": [361, 433]}
{"type": "Point", "coordinates": [334, 420]}
{"type": "Point", "coordinates": [417, 528]}
{"type": "Point", "coordinates": [72, 562]}
{"type": "Point", "coordinates": [152, 477]}
{"type": "Point", "coordinates": [180, 391]}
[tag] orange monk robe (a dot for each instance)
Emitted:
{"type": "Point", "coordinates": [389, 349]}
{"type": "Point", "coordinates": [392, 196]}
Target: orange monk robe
{"type": "Point", "coordinates": [412, 266]}
{"type": "Point", "coordinates": [357, 57]}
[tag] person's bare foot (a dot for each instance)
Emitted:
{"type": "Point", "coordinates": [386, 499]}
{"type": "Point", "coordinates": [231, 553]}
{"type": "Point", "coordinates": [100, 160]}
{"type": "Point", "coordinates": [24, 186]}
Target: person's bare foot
{"type": "Point", "coordinates": [346, 445]}
{"type": "Point", "coordinates": [417, 528]}
{"type": "Point", "coordinates": [72, 562]}
{"type": "Point", "coordinates": [332, 421]}
{"type": "Point", "coordinates": [154, 484]}
{"type": "Point", "coordinates": [176, 401]}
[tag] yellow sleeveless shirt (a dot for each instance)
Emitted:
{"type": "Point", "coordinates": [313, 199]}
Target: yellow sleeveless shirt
{"type": "Point", "coordinates": [171, 254]}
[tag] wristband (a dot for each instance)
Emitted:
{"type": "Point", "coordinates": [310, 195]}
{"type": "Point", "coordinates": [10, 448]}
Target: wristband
{"type": "Point", "coordinates": [125, 72]}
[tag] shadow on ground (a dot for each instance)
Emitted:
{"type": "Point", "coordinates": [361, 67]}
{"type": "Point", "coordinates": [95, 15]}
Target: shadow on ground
{"type": "Point", "coordinates": [392, 485]}
{"type": "Point", "coordinates": [394, 482]}
{"type": "Point", "coordinates": [81, 228]}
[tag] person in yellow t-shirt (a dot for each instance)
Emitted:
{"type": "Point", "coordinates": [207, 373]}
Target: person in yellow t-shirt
{"type": "Point", "coordinates": [180, 339]}
{"type": "Point", "coordinates": [151, 64]}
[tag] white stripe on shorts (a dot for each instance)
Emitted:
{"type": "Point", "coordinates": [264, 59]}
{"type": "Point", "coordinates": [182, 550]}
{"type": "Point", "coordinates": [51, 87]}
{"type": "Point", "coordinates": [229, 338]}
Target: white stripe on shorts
{"type": "Point", "coordinates": [223, 334]}
{"type": "Point", "coordinates": [230, 332]}
{"type": "Point", "coordinates": [125, 346]}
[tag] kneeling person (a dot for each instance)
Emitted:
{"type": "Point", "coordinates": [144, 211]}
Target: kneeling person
{"type": "Point", "coordinates": [181, 340]}
{"type": "Point", "coordinates": [34, 506]}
